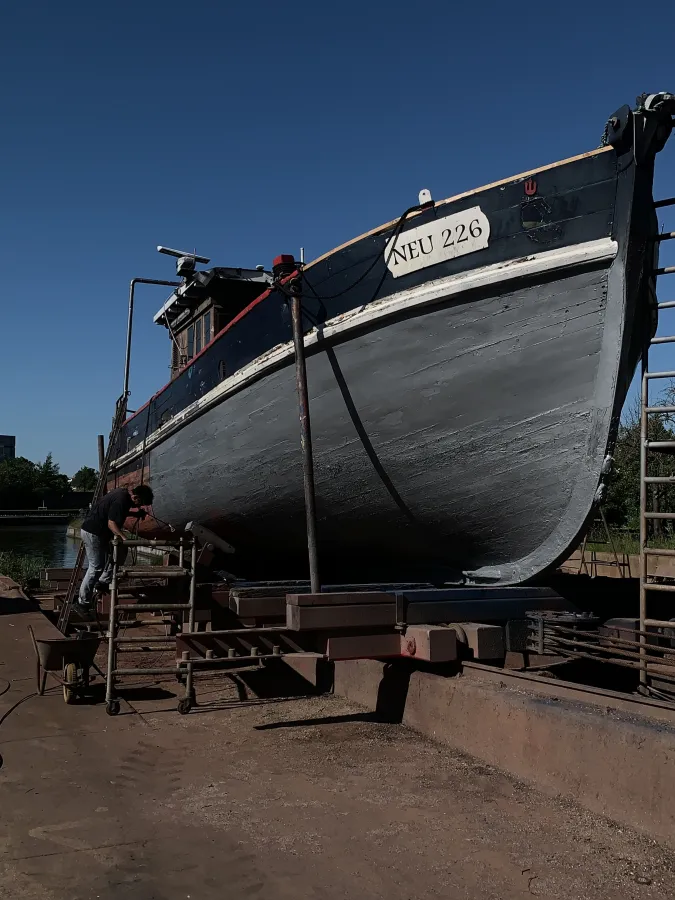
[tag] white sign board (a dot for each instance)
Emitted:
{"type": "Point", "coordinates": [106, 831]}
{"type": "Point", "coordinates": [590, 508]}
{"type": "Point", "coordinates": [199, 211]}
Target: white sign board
{"type": "Point", "coordinates": [438, 241]}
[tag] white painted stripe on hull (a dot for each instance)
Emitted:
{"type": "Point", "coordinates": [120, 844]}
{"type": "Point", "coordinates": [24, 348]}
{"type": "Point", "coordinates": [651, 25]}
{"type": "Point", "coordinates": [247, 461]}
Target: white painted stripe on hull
{"type": "Point", "coordinates": [425, 294]}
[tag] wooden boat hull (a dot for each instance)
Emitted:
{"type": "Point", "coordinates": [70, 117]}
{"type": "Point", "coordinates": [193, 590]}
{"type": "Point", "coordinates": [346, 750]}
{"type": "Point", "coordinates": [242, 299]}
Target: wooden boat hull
{"type": "Point", "coordinates": [462, 414]}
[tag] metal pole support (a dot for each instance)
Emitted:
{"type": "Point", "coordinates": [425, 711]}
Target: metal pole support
{"type": "Point", "coordinates": [112, 704]}
{"type": "Point", "coordinates": [305, 433]}
{"type": "Point", "coordinates": [189, 699]}
{"type": "Point", "coordinates": [101, 453]}
{"type": "Point", "coordinates": [130, 323]}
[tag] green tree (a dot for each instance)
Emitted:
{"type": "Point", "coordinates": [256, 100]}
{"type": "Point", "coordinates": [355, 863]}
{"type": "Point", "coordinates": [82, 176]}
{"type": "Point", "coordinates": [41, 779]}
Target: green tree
{"type": "Point", "coordinates": [49, 478]}
{"type": "Point", "coordinates": [18, 481]}
{"type": "Point", "coordinates": [25, 484]}
{"type": "Point", "coordinates": [622, 506]}
{"type": "Point", "coordinates": [85, 479]}
{"type": "Point", "coordinates": [622, 503]}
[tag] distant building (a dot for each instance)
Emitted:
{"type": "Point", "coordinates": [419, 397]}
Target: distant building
{"type": "Point", "coordinates": [7, 446]}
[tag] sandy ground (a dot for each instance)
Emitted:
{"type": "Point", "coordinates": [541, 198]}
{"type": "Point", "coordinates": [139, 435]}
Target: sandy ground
{"type": "Point", "coordinates": [282, 797]}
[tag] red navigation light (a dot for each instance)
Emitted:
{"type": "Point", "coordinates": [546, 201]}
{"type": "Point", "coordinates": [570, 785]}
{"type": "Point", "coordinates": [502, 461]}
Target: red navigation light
{"type": "Point", "coordinates": [284, 259]}
{"type": "Point", "coordinates": [283, 265]}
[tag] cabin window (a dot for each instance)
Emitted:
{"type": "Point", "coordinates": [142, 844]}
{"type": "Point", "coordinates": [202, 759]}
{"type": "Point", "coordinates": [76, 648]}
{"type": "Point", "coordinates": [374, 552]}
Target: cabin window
{"type": "Point", "coordinates": [193, 338]}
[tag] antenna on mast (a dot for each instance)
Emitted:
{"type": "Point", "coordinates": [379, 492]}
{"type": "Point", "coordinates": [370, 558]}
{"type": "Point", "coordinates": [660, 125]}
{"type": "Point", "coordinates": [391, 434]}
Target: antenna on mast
{"type": "Point", "coordinates": [185, 261]}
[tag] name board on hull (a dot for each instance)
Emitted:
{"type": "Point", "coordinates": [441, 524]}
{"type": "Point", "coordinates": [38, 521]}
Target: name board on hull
{"type": "Point", "coordinates": [438, 241]}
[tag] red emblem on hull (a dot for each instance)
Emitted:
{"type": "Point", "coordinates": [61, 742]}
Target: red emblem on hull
{"type": "Point", "coordinates": [530, 187]}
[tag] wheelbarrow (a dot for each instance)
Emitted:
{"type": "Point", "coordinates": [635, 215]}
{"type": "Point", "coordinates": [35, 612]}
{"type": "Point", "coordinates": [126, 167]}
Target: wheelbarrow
{"type": "Point", "coordinates": [72, 656]}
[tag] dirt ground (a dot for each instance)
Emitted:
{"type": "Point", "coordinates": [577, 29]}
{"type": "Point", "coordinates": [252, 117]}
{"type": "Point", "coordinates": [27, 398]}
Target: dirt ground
{"type": "Point", "coordinates": [281, 797]}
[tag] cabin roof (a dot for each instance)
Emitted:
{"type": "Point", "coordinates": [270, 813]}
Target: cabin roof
{"type": "Point", "coordinates": [205, 283]}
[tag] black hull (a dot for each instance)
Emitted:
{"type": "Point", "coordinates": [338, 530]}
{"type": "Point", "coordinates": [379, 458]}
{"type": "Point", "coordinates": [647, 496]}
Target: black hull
{"type": "Point", "coordinates": [462, 414]}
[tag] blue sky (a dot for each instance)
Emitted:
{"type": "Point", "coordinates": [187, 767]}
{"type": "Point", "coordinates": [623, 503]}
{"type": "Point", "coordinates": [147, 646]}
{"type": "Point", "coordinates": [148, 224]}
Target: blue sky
{"type": "Point", "coordinates": [245, 130]}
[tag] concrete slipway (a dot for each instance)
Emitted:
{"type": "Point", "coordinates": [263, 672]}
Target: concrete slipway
{"type": "Point", "coordinates": [314, 796]}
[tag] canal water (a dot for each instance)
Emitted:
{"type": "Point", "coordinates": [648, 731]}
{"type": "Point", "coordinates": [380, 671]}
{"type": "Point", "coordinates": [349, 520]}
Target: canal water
{"type": "Point", "coordinates": [47, 541]}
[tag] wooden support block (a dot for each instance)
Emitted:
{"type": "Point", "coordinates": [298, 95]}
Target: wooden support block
{"type": "Point", "coordinates": [45, 600]}
{"type": "Point", "coordinates": [305, 666]}
{"type": "Point", "coordinates": [363, 646]}
{"type": "Point", "coordinates": [256, 607]}
{"type": "Point", "coordinates": [221, 598]}
{"type": "Point", "coordinates": [431, 643]}
{"type": "Point", "coordinates": [339, 598]}
{"type": "Point", "coordinates": [485, 641]}
{"type": "Point", "coordinates": [56, 586]}
{"type": "Point", "coordinates": [362, 615]}
{"type": "Point", "coordinates": [428, 643]}
{"type": "Point", "coordinates": [56, 574]}
{"type": "Point", "coordinates": [373, 609]}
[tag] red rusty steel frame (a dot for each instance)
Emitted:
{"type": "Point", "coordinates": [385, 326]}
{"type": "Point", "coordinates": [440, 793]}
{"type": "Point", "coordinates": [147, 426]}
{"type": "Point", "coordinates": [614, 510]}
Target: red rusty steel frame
{"type": "Point", "coordinates": [429, 643]}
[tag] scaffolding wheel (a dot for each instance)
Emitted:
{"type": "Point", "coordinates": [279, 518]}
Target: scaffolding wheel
{"type": "Point", "coordinates": [185, 704]}
{"type": "Point", "coordinates": [112, 707]}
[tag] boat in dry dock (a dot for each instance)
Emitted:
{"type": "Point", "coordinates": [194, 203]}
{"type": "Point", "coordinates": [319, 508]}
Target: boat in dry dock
{"type": "Point", "coordinates": [467, 364]}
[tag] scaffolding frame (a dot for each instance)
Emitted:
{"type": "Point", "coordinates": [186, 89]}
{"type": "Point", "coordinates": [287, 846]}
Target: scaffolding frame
{"type": "Point", "coordinates": [183, 669]}
{"type": "Point", "coordinates": [648, 585]}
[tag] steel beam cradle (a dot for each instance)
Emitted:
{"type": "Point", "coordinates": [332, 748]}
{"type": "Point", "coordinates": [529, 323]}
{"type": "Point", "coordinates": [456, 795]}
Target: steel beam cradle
{"type": "Point", "coordinates": [401, 609]}
{"type": "Point", "coordinates": [427, 624]}
{"type": "Point", "coordinates": [420, 622]}
{"type": "Point", "coordinates": [363, 606]}
{"type": "Point", "coordinates": [235, 648]}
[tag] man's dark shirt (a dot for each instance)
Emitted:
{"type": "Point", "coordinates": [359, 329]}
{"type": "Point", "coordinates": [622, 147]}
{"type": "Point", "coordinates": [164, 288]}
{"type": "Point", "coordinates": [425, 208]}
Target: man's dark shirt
{"type": "Point", "coordinates": [114, 506]}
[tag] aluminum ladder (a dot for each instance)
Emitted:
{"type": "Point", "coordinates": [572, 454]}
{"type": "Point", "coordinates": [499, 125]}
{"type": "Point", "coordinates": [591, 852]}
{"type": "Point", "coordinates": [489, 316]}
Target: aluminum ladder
{"type": "Point", "coordinates": [122, 574]}
{"type": "Point", "coordinates": [647, 583]}
{"type": "Point", "coordinates": [118, 420]}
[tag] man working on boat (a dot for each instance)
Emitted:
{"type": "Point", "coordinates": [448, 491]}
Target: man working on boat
{"type": "Point", "coordinates": [103, 522]}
